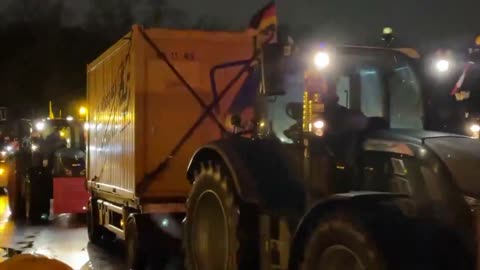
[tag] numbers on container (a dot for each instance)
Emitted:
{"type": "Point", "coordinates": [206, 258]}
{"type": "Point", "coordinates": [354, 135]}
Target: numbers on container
{"type": "Point", "coordinates": [188, 56]}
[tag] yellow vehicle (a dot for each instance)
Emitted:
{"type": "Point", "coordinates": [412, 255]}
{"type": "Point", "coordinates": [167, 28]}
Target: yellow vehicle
{"type": "Point", "coordinates": [3, 175]}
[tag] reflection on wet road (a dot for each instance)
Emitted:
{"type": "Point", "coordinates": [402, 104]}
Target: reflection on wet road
{"type": "Point", "coordinates": [64, 239]}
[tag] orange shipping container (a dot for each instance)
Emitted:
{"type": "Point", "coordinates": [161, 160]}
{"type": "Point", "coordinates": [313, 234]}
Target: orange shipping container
{"type": "Point", "coordinates": [139, 108]}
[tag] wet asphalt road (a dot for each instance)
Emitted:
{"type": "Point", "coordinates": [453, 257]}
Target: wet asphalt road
{"type": "Point", "coordinates": [64, 238]}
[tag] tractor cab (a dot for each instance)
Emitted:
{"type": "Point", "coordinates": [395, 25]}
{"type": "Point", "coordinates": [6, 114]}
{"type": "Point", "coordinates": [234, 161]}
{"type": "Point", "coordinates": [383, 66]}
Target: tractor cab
{"type": "Point", "coordinates": [59, 144]}
{"type": "Point", "coordinates": [379, 86]}
{"type": "Point", "coordinates": [58, 168]}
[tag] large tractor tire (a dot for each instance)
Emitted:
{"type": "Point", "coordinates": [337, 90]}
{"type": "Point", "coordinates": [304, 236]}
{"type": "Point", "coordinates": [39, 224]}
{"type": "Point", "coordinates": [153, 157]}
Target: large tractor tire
{"type": "Point", "coordinates": [97, 234]}
{"type": "Point", "coordinates": [217, 234]}
{"type": "Point", "coordinates": [376, 240]}
{"type": "Point", "coordinates": [37, 198]}
{"type": "Point", "coordinates": [340, 243]}
{"type": "Point", "coordinates": [16, 199]}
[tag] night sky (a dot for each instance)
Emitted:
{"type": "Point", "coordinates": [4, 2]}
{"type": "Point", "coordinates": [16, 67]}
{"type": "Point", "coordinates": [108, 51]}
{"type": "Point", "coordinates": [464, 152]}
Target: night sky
{"type": "Point", "coordinates": [49, 42]}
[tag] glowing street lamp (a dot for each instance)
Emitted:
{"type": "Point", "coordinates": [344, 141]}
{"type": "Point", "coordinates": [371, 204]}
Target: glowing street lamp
{"type": "Point", "coordinates": [82, 111]}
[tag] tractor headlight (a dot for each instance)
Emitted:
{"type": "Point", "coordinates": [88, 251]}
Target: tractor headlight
{"type": "Point", "coordinates": [321, 60]}
{"type": "Point", "coordinates": [318, 127]}
{"type": "Point", "coordinates": [34, 147]}
{"type": "Point", "coordinates": [40, 126]}
{"type": "Point", "coordinates": [442, 65]}
{"type": "Point", "coordinates": [475, 128]}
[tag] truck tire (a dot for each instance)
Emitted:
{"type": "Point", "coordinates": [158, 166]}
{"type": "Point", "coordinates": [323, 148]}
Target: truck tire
{"type": "Point", "coordinates": [97, 234]}
{"type": "Point", "coordinates": [339, 242]}
{"type": "Point", "coordinates": [216, 237]}
{"type": "Point", "coordinates": [135, 244]}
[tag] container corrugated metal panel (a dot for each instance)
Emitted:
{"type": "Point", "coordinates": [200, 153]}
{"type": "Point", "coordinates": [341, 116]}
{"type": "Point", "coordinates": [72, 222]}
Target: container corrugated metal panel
{"type": "Point", "coordinates": [111, 119]}
{"type": "Point", "coordinates": [153, 108]}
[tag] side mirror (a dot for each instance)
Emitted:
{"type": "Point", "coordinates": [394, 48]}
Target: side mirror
{"type": "Point", "coordinates": [273, 65]}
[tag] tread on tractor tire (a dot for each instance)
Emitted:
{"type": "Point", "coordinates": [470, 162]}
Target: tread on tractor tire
{"type": "Point", "coordinates": [216, 217]}
{"type": "Point", "coordinates": [339, 243]}
{"type": "Point", "coordinates": [376, 240]}
{"type": "Point", "coordinates": [97, 234]}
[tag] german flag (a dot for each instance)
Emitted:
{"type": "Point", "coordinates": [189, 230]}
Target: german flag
{"type": "Point", "coordinates": [264, 22]}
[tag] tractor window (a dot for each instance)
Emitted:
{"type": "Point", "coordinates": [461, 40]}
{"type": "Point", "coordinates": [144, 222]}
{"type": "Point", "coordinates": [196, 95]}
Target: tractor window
{"type": "Point", "coordinates": [372, 97]}
{"type": "Point", "coordinates": [343, 91]}
{"type": "Point", "coordinates": [405, 99]}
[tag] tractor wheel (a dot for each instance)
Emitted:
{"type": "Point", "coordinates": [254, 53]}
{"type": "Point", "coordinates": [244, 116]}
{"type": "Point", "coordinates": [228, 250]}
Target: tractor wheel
{"type": "Point", "coordinates": [37, 203]}
{"type": "Point", "coordinates": [373, 239]}
{"type": "Point", "coordinates": [97, 234]}
{"type": "Point", "coordinates": [16, 198]}
{"type": "Point", "coordinates": [341, 243]}
{"type": "Point", "coordinates": [216, 234]}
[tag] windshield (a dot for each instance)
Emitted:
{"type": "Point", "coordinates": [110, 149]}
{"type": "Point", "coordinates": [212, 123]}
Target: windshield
{"type": "Point", "coordinates": [70, 132]}
{"type": "Point", "coordinates": [379, 83]}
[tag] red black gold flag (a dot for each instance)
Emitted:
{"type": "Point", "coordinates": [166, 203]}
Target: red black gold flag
{"type": "Point", "coordinates": [264, 23]}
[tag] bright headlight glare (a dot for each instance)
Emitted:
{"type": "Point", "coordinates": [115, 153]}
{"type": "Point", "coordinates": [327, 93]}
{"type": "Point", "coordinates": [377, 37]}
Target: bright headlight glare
{"type": "Point", "coordinates": [3, 153]}
{"type": "Point", "coordinates": [475, 128]}
{"type": "Point", "coordinates": [34, 147]}
{"type": "Point", "coordinates": [40, 126]}
{"type": "Point", "coordinates": [2, 171]}
{"type": "Point", "coordinates": [442, 65]}
{"type": "Point", "coordinates": [319, 124]}
{"type": "Point", "coordinates": [9, 148]}
{"type": "Point", "coordinates": [317, 127]}
{"type": "Point", "coordinates": [321, 60]}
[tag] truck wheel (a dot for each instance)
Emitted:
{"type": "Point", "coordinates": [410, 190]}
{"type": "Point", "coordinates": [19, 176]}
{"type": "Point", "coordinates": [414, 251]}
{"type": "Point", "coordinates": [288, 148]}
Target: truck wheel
{"type": "Point", "coordinates": [215, 235]}
{"type": "Point", "coordinates": [339, 243]}
{"type": "Point", "coordinates": [97, 234]}
{"type": "Point", "coordinates": [135, 247]}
